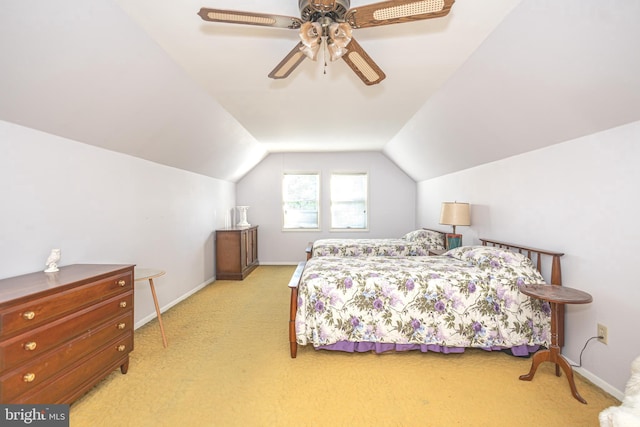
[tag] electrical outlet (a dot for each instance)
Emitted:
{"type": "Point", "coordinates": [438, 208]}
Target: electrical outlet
{"type": "Point", "coordinates": [602, 333]}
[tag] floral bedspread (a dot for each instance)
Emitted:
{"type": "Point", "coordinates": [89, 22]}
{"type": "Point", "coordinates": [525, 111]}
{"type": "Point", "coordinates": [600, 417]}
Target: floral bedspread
{"type": "Point", "coordinates": [467, 298]}
{"type": "Point", "coordinates": [415, 243]}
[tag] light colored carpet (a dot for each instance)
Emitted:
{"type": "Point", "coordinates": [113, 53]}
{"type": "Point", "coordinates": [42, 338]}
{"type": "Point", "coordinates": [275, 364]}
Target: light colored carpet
{"type": "Point", "coordinates": [228, 364]}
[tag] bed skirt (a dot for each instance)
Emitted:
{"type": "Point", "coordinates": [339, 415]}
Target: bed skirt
{"type": "Point", "coordinates": [363, 347]}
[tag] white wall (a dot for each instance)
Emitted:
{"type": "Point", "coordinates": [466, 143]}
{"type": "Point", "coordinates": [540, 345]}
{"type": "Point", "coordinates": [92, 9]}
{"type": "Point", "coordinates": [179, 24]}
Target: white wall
{"type": "Point", "coordinates": [391, 200]}
{"type": "Point", "coordinates": [580, 197]}
{"type": "Point", "coordinates": [103, 207]}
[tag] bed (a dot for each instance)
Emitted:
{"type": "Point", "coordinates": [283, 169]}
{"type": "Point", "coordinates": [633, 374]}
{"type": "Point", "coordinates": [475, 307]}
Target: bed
{"type": "Point", "coordinates": [466, 298]}
{"type": "Point", "coordinates": [414, 243]}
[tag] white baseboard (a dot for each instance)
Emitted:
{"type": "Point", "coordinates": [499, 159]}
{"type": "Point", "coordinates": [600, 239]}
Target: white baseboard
{"type": "Point", "coordinates": [608, 388]}
{"type": "Point", "coordinates": [153, 315]}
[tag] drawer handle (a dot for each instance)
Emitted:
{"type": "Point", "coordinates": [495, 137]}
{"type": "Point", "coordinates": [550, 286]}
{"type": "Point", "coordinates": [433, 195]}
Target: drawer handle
{"type": "Point", "coordinates": [30, 346]}
{"type": "Point", "coordinates": [121, 325]}
{"type": "Point", "coordinates": [121, 282]}
{"type": "Point", "coordinates": [123, 304]}
{"type": "Point", "coordinates": [28, 315]}
{"type": "Point", "coordinates": [28, 378]}
{"type": "Point", "coordinates": [122, 347]}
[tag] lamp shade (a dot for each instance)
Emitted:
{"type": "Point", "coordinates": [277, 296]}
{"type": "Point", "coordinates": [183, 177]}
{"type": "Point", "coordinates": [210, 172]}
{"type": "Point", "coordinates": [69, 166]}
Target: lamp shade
{"type": "Point", "coordinates": [454, 213]}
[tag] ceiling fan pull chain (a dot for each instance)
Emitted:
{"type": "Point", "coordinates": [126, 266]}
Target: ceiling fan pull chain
{"type": "Point", "coordinates": [324, 54]}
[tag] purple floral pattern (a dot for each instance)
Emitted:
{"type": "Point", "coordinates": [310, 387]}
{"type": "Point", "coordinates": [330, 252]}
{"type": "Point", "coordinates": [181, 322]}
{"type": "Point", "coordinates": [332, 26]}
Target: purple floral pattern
{"type": "Point", "coordinates": [450, 302]}
{"type": "Point", "coordinates": [415, 243]}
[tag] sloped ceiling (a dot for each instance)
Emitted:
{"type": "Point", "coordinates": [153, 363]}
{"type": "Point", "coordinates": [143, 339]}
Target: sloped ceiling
{"type": "Point", "coordinates": [151, 79]}
{"type": "Point", "coordinates": [551, 72]}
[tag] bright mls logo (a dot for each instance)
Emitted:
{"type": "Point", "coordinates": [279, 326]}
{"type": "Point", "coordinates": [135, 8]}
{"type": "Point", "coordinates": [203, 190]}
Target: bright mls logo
{"type": "Point", "coordinates": [34, 415]}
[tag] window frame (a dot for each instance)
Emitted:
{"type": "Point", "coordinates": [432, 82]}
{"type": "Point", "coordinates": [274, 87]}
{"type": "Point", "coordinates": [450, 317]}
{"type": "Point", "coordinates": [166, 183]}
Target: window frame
{"type": "Point", "coordinates": [366, 202]}
{"type": "Point", "coordinates": [318, 176]}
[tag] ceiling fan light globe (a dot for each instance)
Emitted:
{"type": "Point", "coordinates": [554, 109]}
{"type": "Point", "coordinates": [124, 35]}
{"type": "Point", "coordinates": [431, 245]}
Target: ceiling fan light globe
{"type": "Point", "coordinates": [335, 52]}
{"type": "Point", "coordinates": [310, 35]}
{"type": "Point", "coordinates": [339, 38]}
{"type": "Point", "coordinates": [340, 31]}
{"type": "Point", "coordinates": [311, 53]}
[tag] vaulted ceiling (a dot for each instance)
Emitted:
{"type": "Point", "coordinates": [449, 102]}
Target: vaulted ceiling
{"type": "Point", "coordinates": [149, 78]}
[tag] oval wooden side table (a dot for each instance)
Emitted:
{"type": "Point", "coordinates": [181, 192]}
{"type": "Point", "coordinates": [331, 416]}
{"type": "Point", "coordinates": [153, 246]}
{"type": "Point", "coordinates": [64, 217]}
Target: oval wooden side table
{"type": "Point", "coordinates": [557, 296]}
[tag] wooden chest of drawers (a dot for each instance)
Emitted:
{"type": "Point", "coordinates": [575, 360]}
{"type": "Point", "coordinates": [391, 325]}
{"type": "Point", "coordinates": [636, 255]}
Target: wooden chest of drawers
{"type": "Point", "coordinates": [236, 252]}
{"type": "Point", "coordinates": [61, 333]}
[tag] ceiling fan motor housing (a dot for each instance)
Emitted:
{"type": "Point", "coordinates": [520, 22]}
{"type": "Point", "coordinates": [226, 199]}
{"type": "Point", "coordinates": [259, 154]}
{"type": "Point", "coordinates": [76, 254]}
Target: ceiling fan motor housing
{"type": "Point", "coordinates": [311, 10]}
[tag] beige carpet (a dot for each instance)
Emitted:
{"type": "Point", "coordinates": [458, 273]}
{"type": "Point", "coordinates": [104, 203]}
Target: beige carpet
{"type": "Point", "coordinates": [228, 364]}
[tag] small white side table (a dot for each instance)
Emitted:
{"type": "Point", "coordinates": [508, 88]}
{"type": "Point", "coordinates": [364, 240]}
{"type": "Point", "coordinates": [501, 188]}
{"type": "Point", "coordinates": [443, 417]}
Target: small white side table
{"type": "Point", "coordinates": [150, 274]}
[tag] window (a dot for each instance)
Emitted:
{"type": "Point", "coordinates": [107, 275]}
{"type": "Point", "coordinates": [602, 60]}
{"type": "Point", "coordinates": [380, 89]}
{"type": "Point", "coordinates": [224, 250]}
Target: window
{"type": "Point", "coordinates": [349, 201]}
{"type": "Point", "coordinates": [301, 200]}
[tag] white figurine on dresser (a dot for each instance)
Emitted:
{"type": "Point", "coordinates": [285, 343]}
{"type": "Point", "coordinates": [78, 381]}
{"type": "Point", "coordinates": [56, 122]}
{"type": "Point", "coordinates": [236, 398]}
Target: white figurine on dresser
{"type": "Point", "coordinates": [628, 413]}
{"type": "Point", "coordinates": [52, 261]}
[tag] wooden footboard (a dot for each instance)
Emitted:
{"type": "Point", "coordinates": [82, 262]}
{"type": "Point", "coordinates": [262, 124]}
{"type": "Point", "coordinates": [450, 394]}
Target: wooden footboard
{"type": "Point", "coordinates": [536, 255]}
{"type": "Point", "coordinates": [293, 308]}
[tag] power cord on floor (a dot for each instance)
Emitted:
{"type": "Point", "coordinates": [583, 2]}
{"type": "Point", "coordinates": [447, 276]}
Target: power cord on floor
{"type": "Point", "coordinates": [583, 348]}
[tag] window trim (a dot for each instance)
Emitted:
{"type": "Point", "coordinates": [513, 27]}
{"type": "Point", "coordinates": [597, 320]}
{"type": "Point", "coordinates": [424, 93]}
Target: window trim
{"type": "Point", "coordinates": [318, 200]}
{"type": "Point", "coordinates": [367, 202]}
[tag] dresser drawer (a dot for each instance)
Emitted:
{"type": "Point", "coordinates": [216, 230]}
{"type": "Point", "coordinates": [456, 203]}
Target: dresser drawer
{"type": "Point", "coordinates": [68, 368]}
{"type": "Point", "coordinates": [38, 341]}
{"type": "Point", "coordinates": [37, 312]}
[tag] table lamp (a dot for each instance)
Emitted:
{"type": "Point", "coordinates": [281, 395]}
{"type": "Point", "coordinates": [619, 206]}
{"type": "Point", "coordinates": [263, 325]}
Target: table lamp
{"type": "Point", "coordinates": [454, 213]}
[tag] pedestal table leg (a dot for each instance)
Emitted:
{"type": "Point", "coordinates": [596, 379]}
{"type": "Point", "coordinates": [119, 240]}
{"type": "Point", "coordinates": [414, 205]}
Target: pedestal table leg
{"type": "Point", "coordinates": [553, 355]}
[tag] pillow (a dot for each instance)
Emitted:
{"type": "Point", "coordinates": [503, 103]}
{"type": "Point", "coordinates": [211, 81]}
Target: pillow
{"type": "Point", "coordinates": [417, 235]}
{"type": "Point", "coordinates": [428, 238]}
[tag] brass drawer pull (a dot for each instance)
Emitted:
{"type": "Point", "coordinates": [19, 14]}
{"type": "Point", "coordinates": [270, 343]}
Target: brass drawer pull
{"type": "Point", "coordinates": [123, 304]}
{"type": "Point", "coordinates": [30, 346]}
{"type": "Point", "coordinates": [27, 378]}
{"type": "Point", "coordinates": [121, 325]}
{"type": "Point", "coordinates": [121, 282]}
{"type": "Point", "coordinates": [122, 347]}
{"type": "Point", "coordinates": [28, 315]}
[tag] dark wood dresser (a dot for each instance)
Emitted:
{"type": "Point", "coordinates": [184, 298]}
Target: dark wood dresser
{"type": "Point", "coordinates": [61, 333]}
{"type": "Point", "coordinates": [236, 252]}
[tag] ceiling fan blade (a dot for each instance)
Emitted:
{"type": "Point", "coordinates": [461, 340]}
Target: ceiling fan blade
{"type": "Point", "coordinates": [362, 64]}
{"type": "Point", "coordinates": [395, 12]}
{"type": "Point", "coordinates": [250, 18]}
{"type": "Point", "coordinates": [289, 63]}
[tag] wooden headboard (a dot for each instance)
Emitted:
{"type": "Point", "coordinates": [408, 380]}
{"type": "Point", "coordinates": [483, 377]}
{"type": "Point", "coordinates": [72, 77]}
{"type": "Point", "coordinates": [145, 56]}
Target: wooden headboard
{"type": "Point", "coordinates": [535, 255]}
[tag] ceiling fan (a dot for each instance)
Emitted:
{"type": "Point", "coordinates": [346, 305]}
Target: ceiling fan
{"type": "Point", "coordinates": [329, 23]}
